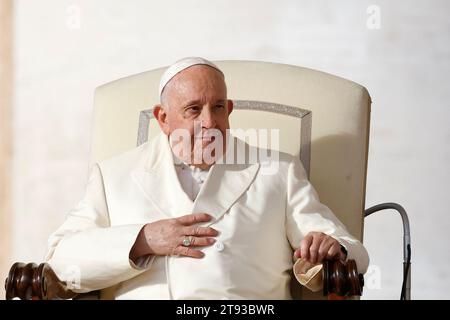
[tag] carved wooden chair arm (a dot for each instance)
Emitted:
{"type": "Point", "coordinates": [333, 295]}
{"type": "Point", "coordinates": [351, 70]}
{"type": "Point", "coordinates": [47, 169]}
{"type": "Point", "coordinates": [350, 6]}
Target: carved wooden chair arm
{"type": "Point", "coordinates": [35, 282]}
{"type": "Point", "coordinates": [341, 279]}
{"type": "Point", "coordinates": [39, 282]}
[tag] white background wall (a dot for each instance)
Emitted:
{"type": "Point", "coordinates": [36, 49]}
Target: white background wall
{"type": "Point", "coordinates": [64, 49]}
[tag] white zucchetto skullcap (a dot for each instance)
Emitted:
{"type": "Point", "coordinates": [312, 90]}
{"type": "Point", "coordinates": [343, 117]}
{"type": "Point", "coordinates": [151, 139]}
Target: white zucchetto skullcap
{"type": "Point", "coordinates": [179, 66]}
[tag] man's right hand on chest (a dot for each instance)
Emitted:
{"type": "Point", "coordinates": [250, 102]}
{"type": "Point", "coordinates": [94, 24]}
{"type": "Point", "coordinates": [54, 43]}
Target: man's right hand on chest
{"type": "Point", "coordinates": [177, 236]}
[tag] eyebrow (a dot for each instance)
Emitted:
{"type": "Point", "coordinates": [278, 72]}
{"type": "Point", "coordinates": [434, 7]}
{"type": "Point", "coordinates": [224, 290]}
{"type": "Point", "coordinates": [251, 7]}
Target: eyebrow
{"type": "Point", "coordinates": [193, 102]}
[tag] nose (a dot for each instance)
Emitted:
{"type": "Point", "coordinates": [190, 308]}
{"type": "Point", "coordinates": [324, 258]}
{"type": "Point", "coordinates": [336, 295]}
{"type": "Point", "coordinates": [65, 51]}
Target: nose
{"type": "Point", "coordinates": [207, 119]}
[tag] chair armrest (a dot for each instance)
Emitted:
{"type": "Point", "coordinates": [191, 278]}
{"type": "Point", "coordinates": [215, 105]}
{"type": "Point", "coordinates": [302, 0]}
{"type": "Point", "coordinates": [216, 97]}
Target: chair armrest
{"type": "Point", "coordinates": [39, 282]}
{"type": "Point", "coordinates": [35, 282]}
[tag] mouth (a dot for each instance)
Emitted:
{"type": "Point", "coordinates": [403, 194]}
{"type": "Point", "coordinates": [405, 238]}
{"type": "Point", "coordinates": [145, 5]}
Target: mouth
{"type": "Point", "coordinates": [209, 138]}
{"type": "Point", "coordinates": [206, 138]}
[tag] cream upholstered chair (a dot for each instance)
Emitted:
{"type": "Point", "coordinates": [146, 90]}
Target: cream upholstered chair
{"type": "Point", "coordinates": [322, 118]}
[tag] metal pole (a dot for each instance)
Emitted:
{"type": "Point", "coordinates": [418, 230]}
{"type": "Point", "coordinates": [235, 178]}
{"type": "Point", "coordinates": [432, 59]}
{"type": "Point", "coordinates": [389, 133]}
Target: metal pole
{"type": "Point", "coordinates": [406, 243]}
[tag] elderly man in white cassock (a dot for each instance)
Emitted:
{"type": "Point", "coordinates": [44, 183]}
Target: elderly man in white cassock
{"type": "Point", "coordinates": [168, 220]}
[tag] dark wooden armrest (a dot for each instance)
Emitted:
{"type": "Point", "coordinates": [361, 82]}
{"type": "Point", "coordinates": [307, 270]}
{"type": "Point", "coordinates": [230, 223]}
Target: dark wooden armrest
{"type": "Point", "coordinates": [341, 279]}
{"type": "Point", "coordinates": [35, 282]}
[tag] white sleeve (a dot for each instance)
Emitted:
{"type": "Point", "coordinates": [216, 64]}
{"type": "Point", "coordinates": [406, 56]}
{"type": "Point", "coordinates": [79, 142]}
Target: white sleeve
{"type": "Point", "coordinates": [86, 251]}
{"type": "Point", "coordinates": [305, 213]}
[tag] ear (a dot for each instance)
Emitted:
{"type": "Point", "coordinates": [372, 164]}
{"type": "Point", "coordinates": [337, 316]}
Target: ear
{"type": "Point", "coordinates": [160, 114]}
{"type": "Point", "coordinates": [230, 106]}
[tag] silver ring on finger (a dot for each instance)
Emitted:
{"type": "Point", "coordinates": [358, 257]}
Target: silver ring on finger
{"type": "Point", "coordinates": [186, 241]}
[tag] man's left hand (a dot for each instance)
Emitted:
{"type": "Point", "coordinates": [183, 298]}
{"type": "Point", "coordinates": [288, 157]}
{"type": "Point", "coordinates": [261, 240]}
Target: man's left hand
{"type": "Point", "coordinates": [317, 246]}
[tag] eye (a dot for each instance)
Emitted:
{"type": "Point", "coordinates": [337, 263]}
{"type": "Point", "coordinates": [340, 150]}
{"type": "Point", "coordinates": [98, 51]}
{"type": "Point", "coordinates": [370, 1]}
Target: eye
{"type": "Point", "coordinates": [220, 106]}
{"type": "Point", "coordinates": [192, 109]}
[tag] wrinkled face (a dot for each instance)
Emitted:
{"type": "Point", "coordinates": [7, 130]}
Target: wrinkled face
{"type": "Point", "coordinates": [195, 100]}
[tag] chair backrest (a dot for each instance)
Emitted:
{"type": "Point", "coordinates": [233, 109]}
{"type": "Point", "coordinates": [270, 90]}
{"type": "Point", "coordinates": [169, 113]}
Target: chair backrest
{"type": "Point", "coordinates": [330, 131]}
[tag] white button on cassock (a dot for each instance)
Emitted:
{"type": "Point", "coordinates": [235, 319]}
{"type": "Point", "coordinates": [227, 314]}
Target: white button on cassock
{"type": "Point", "coordinates": [219, 246]}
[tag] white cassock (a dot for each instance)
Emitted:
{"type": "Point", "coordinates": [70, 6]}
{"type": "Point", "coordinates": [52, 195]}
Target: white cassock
{"type": "Point", "coordinates": [261, 218]}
